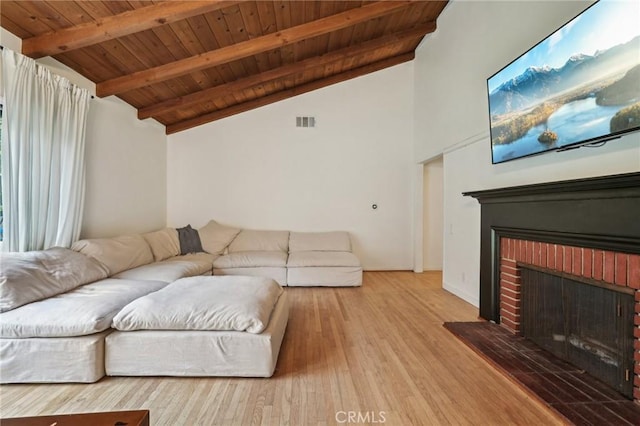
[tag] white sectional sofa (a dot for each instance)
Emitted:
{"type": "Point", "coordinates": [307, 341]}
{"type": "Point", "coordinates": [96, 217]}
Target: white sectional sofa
{"type": "Point", "coordinates": [57, 305]}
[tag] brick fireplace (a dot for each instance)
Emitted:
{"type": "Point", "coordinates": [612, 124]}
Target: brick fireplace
{"type": "Point", "coordinates": [587, 229]}
{"type": "Point", "coordinates": [607, 268]}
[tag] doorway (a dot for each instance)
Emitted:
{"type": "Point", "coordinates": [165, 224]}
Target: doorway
{"type": "Point", "coordinates": [433, 214]}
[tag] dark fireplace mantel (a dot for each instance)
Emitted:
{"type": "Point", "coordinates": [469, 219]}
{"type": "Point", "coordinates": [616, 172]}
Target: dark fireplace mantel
{"type": "Point", "coordinates": [600, 212]}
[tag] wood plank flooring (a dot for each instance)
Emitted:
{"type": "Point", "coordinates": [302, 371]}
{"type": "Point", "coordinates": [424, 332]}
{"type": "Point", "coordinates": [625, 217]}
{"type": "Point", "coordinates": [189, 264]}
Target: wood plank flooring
{"type": "Point", "coordinates": [369, 355]}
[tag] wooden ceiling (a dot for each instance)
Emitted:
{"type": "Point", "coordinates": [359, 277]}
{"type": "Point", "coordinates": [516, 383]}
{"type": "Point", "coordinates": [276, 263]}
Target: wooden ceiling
{"type": "Point", "coordinates": [186, 63]}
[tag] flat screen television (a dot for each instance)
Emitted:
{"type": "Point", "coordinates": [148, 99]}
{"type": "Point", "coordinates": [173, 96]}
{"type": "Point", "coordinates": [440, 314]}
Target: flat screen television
{"type": "Point", "coordinates": [579, 86]}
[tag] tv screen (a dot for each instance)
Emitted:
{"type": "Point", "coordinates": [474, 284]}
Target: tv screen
{"type": "Point", "coordinates": [578, 86]}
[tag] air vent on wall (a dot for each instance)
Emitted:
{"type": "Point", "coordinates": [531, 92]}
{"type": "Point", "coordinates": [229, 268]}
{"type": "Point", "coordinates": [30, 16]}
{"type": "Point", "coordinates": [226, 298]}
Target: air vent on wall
{"type": "Point", "coordinates": [305, 122]}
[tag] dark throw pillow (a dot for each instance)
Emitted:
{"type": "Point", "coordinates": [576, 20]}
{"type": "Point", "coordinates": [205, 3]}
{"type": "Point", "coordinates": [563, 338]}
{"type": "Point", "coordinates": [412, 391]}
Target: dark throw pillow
{"type": "Point", "coordinates": [189, 240]}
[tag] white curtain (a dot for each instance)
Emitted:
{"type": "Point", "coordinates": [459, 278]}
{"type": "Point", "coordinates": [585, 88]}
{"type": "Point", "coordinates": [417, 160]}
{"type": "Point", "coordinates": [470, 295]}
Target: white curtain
{"type": "Point", "coordinates": [42, 155]}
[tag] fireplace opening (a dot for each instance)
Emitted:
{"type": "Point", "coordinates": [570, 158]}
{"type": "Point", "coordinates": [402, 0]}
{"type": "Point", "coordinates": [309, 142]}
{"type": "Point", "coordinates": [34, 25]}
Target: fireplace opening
{"type": "Point", "coordinates": [586, 324]}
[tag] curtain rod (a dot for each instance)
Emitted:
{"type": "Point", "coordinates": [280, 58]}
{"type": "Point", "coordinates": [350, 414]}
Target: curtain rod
{"type": "Point", "coordinates": [2, 48]}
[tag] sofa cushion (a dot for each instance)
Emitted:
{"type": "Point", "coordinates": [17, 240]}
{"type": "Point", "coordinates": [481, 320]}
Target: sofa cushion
{"type": "Point", "coordinates": [319, 241]}
{"type": "Point", "coordinates": [32, 276]}
{"type": "Point", "coordinates": [322, 258]}
{"type": "Point", "coordinates": [172, 269]}
{"type": "Point", "coordinates": [163, 243]}
{"type": "Point", "coordinates": [86, 310]}
{"type": "Point", "coordinates": [204, 303]}
{"type": "Point", "coordinates": [117, 254]}
{"type": "Point", "coordinates": [250, 240]}
{"type": "Point", "coordinates": [251, 259]}
{"type": "Point", "coordinates": [216, 237]}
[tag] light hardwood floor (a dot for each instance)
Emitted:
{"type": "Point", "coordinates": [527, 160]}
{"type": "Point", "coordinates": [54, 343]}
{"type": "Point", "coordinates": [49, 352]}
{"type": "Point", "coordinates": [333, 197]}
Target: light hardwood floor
{"type": "Point", "coordinates": [378, 351]}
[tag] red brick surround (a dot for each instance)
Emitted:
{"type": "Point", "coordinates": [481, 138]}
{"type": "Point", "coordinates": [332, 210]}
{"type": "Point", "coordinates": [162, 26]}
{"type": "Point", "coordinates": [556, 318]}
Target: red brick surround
{"type": "Point", "coordinates": [620, 269]}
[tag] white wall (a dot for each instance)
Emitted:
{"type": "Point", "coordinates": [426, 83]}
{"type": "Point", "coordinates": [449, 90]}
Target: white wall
{"type": "Point", "coordinates": [126, 171]}
{"type": "Point", "coordinates": [473, 41]}
{"type": "Point", "coordinates": [433, 209]}
{"type": "Point", "coordinates": [125, 162]}
{"type": "Point", "coordinates": [257, 170]}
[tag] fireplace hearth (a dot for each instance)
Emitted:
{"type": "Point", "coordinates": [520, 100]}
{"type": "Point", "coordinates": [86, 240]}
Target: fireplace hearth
{"type": "Point", "coordinates": [579, 397]}
{"type": "Point", "coordinates": [586, 235]}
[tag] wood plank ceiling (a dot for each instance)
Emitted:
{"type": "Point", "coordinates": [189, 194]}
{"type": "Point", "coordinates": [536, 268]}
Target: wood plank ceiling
{"type": "Point", "coordinates": [186, 63]}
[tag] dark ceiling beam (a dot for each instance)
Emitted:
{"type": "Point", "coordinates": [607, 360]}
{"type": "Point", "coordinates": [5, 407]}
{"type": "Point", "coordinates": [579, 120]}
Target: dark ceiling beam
{"type": "Point", "coordinates": [248, 48]}
{"type": "Point", "coordinates": [284, 71]}
{"type": "Point", "coordinates": [120, 25]}
{"type": "Point", "coordinates": [288, 93]}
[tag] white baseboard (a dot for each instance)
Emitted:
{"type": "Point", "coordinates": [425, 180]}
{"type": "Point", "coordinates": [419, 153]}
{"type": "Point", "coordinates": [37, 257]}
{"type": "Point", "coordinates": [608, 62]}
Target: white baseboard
{"type": "Point", "coordinates": [462, 293]}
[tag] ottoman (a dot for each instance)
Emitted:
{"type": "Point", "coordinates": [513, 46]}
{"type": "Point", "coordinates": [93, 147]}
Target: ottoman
{"type": "Point", "coordinates": [201, 326]}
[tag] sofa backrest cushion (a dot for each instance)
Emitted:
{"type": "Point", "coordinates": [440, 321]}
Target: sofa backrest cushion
{"type": "Point", "coordinates": [216, 237]}
{"type": "Point", "coordinates": [319, 241]}
{"type": "Point", "coordinates": [117, 254]}
{"type": "Point", "coordinates": [163, 243]}
{"type": "Point", "coordinates": [250, 240]}
{"type": "Point", "coordinates": [37, 275]}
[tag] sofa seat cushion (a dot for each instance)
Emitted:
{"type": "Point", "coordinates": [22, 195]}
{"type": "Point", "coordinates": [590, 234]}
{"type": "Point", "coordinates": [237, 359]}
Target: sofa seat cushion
{"type": "Point", "coordinates": [86, 310]}
{"type": "Point", "coordinates": [322, 258]}
{"type": "Point", "coordinates": [172, 269]}
{"type": "Point", "coordinates": [36, 275]}
{"type": "Point", "coordinates": [117, 254]}
{"type": "Point", "coordinates": [251, 259]}
{"type": "Point", "coordinates": [319, 241]}
{"type": "Point", "coordinates": [204, 303]}
{"type": "Point", "coordinates": [251, 240]}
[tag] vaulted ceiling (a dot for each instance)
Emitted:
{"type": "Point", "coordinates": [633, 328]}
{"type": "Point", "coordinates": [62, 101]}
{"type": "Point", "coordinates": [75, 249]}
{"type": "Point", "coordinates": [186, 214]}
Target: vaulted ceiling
{"type": "Point", "coordinates": [186, 63]}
